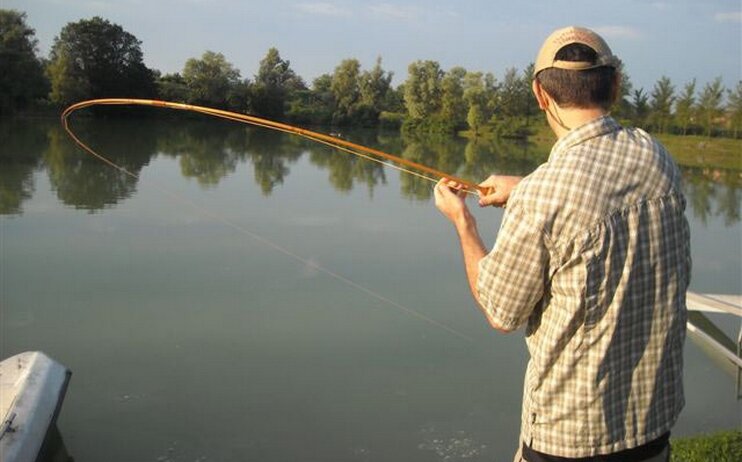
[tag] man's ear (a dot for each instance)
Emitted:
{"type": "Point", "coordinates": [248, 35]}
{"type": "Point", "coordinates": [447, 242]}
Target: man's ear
{"type": "Point", "coordinates": [541, 96]}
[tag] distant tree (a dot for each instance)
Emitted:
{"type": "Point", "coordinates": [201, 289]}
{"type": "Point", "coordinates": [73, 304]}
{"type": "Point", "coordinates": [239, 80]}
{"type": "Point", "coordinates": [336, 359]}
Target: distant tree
{"type": "Point", "coordinates": [530, 104]}
{"type": "Point", "coordinates": [512, 101]}
{"type": "Point", "coordinates": [640, 107]}
{"type": "Point", "coordinates": [94, 58]}
{"type": "Point", "coordinates": [394, 99]}
{"type": "Point", "coordinates": [622, 107]}
{"type": "Point", "coordinates": [322, 90]}
{"type": "Point", "coordinates": [274, 84]}
{"type": "Point", "coordinates": [345, 89]}
{"type": "Point", "coordinates": [660, 106]}
{"type": "Point", "coordinates": [685, 107]}
{"type": "Point", "coordinates": [492, 90]}
{"type": "Point", "coordinates": [475, 95]}
{"type": "Point", "coordinates": [709, 105]}
{"type": "Point", "coordinates": [22, 77]}
{"type": "Point", "coordinates": [422, 89]}
{"type": "Point", "coordinates": [453, 104]}
{"type": "Point", "coordinates": [734, 109]}
{"type": "Point", "coordinates": [373, 87]}
{"type": "Point", "coordinates": [315, 105]}
{"type": "Point", "coordinates": [210, 80]}
{"type": "Point", "coordinates": [240, 96]}
{"type": "Point", "coordinates": [172, 87]}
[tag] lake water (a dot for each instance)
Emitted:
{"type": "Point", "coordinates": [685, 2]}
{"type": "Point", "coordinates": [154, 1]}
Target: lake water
{"type": "Point", "coordinates": [253, 296]}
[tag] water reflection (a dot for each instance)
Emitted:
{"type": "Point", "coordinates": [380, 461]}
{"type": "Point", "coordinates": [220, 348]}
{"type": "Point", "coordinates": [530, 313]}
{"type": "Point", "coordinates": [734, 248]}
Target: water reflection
{"type": "Point", "coordinates": [713, 192]}
{"type": "Point", "coordinates": [20, 156]}
{"type": "Point", "coordinates": [83, 181]}
{"type": "Point", "coordinates": [208, 151]}
{"type": "Point", "coordinates": [53, 449]}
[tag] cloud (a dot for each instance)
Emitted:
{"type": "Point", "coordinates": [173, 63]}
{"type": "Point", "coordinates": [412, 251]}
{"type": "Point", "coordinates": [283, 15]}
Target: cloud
{"type": "Point", "coordinates": [732, 16]}
{"type": "Point", "coordinates": [323, 9]}
{"type": "Point", "coordinates": [622, 32]}
{"type": "Point", "coordinates": [395, 12]}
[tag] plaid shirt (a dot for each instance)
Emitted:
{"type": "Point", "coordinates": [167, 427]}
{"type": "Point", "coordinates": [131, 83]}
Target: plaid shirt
{"type": "Point", "coordinates": [594, 254]}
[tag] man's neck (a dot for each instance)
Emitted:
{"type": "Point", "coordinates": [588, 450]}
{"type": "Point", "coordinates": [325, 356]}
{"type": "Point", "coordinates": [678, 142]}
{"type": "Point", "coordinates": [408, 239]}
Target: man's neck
{"type": "Point", "coordinates": [562, 120]}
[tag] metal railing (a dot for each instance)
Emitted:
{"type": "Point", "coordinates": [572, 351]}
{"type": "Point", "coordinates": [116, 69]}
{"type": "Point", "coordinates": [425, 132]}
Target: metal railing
{"type": "Point", "coordinates": [715, 341]}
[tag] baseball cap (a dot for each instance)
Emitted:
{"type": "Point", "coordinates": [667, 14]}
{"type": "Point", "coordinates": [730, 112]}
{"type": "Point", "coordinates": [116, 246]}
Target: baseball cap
{"type": "Point", "coordinates": [562, 37]}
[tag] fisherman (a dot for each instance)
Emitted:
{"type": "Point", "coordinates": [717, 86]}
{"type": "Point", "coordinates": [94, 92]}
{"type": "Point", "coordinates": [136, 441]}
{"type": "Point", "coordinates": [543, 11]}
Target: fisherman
{"type": "Point", "coordinates": [593, 256]}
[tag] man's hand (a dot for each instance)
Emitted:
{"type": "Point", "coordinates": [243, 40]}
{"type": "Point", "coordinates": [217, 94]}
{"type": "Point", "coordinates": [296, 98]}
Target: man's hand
{"type": "Point", "coordinates": [500, 187]}
{"type": "Point", "coordinates": [449, 198]}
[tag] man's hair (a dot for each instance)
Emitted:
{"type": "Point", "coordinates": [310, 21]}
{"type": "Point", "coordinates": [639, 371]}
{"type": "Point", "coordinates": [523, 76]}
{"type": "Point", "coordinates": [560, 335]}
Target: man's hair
{"type": "Point", "coordinates": [582, 89]}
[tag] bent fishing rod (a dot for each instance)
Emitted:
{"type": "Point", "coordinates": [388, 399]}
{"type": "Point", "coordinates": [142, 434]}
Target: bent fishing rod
{"type": "Point", "coordinates": [375, 155]}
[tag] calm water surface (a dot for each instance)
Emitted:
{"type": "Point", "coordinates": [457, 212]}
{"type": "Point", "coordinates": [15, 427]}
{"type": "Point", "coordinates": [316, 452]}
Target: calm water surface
{"type": "Point", "coordinates": [251, 296]}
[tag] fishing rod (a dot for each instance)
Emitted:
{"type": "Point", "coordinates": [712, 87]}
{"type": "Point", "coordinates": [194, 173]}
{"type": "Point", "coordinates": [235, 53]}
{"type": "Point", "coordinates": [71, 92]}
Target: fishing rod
{"type": "Point", "coordinates": [375, 155]}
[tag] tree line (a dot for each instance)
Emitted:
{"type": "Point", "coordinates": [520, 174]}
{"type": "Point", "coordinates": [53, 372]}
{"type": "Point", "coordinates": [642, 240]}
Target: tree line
{"type": "Point", "coordinates": [94, 58]}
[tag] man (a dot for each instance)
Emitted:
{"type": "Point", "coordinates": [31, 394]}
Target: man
{"type": "Point", "coordinates": [593, 255]}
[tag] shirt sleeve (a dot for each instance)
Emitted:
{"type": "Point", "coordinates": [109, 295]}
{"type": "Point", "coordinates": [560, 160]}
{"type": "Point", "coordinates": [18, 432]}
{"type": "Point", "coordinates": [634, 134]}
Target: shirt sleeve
{"type": "Point", "coordinates": [513, 275]}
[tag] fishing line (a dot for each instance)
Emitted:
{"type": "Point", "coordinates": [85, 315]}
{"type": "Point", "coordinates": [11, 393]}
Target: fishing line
{"type": "Point", "coordinates": [241, 229]}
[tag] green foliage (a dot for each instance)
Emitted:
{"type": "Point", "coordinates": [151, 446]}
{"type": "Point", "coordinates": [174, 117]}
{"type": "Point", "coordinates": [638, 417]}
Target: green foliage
{"type": "Point", "coordinates": [22, 78]}
{"type": "Point", "coordinates": [274, 82]}
{"type": "Point", "coordinates": [709, 105]}
{"type": "Point", "coordinates": [724, 446]}
{"type": "Point", "coordinates": [685, 107]}
{"type": "Point", "coordinates": [391, 119]}
{"type": "Point", "coordinates": [660, 106]}
{"type": "Point", "coordinates": [172, 87]}
{"type": "Point", "coordinates": [453, 104]}
{"type": "Point", "coordinates": [422, 89]}
{"type": "Point", "coordinates": [640, 107]}
{"type": "Point", "coordinates": [514, 95]}
{"type": "Point", "coordinates": [479, 100]}
{"type": "Point", "coordinates": [373, 86]}
{"type": "Point", "coordinates": [622, 108]}
{"type": "Point", "coordinates": [210, 80]}
{"type": "Point", "coordinates": [345, 89]}
{"type": "Point", "coordinates": [435, 126]}
{"type": "Point", "coordinates": [94, 59]}
{"type": "Point", "coordinates": [734, 109]}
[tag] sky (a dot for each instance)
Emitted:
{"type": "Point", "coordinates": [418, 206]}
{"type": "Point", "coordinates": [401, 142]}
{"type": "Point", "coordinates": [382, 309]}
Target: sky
{"type": "Point", "coordinates": [680, 39]}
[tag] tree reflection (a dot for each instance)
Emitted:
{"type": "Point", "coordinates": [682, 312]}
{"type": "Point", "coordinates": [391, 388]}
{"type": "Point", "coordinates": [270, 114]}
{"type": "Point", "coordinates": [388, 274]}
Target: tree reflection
{"type": "Point", "coordinates": [209, 151]}
{"type": "Point", "coordinates": [345, 168]}
{"type": "Point", "coordinates": [474, 159]}
{"type": "Point", "coordinates": [269, 152]}
{"type": "Point", "coordinates": [713, 192]}
{"type": "Point", "coordinates": [206, 150]}
{"type": "Point", "coordinates": [20, 156]}
{"type": "Point", "coordinates": [85, 182]}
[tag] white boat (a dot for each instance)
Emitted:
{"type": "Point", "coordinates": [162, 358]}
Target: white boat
{"type": "Point", "coordinates": [32, 388]}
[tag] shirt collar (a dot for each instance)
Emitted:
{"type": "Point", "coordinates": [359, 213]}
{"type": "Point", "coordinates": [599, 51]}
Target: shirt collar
{"type": "Point", "coordinates": [596, 127]}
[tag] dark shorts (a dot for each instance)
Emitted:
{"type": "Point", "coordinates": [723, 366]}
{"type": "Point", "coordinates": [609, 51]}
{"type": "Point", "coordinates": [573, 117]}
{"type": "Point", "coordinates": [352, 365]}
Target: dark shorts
{"type": "Point", "coordinates": [638, 454]}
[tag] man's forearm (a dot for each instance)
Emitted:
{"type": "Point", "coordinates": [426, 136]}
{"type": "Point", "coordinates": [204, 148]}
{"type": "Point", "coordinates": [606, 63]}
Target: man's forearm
{"type": "Point", "coordinates": [472, 249]}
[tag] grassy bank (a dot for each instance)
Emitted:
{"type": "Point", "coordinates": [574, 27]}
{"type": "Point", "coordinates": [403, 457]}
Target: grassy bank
{"type": "Point", "coordinates": [700, 151]}
{"type": "Point", "coordinates": [688, 151]}
{"type": "Point", "coordinates": [725, 446]}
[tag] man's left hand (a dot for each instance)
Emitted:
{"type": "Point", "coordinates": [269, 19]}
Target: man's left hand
{"type": "Point", "coordinates": [449, 198]}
